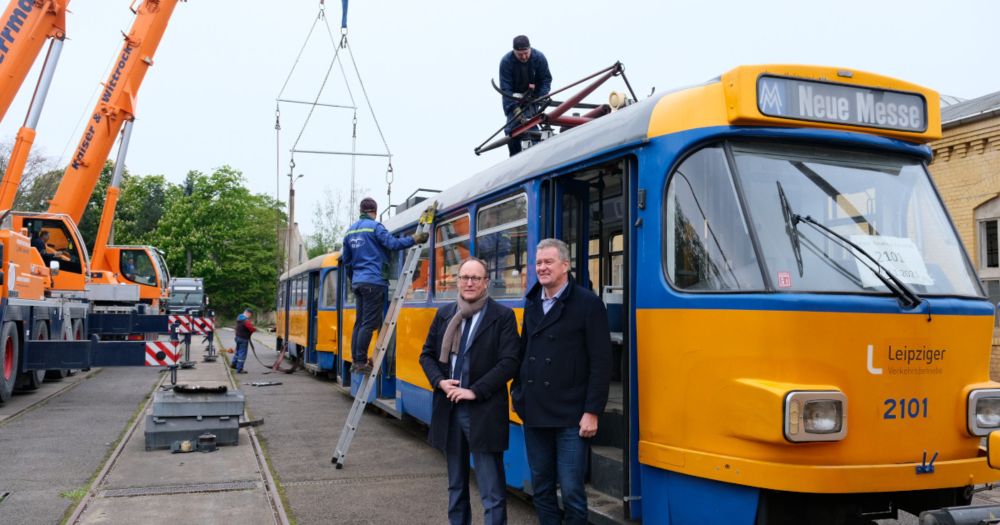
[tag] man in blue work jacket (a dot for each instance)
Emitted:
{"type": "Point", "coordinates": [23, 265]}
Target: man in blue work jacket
{"type": "Point", "coordinates": [365, 257]}
{"type": "Point", "coordinates": [524, 75]}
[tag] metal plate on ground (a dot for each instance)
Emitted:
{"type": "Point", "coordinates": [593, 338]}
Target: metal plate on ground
{"type": "Point", "coordinates": [178, 404]}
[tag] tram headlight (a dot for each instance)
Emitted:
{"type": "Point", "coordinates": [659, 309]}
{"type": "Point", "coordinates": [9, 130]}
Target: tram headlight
{"type": "Point", "coordinates": [984, 411]}
{"type": "Point", "coordinates": [815, 416]}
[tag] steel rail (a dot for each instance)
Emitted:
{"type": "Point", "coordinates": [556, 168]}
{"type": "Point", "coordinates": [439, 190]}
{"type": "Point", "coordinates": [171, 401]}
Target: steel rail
{"type": "Point", "coordinates": [115, 456]}
{"type": "Point", "coordinates": [67, 385]}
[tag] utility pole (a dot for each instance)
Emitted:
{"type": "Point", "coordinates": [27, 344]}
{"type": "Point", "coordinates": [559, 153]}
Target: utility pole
{"type": "Point", "coordinates": [291, 218]}
{"type": "Point", "coordinates": [188, 191]}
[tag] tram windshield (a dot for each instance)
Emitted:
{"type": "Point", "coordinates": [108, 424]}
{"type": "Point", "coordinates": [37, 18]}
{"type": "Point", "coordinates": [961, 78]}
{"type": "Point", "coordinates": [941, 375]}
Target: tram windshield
{"type": "Point", "coordinates": [884, 204]}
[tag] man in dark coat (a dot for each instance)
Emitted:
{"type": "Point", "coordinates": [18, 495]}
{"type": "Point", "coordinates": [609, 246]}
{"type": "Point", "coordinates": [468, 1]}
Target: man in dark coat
{"type": "Point", "coordinates": [524, 74]}
{"type": "Point", "coordinates": [562, 385]}
{"type": "Point", "coordinates": [470, 354]}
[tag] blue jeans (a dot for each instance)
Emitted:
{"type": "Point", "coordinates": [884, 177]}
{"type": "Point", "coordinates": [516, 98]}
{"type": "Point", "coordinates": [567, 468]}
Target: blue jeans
{"type": "Point", "coordinates": [241, 353]}
{"type": "Point", "coordinates": [370, 303]}
{"type": "Point", "coordinates": [489, 475]}
{"type": "Point", "coordinates": [557, 455]}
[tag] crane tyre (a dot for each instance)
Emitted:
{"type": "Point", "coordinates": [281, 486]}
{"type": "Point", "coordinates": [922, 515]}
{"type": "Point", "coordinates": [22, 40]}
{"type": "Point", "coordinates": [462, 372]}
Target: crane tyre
{"type": "Point", "coordinates": [10, 348]}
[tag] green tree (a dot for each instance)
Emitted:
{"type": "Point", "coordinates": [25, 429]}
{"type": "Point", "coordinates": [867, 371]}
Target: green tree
{"type": "Point", "coordinates": [142, 203]}
{"type": "Point", "coordinates": [38, 166]}
{"type": "Point", "coordinates": [34, 195]}
{"type": "Point", "coordinates": [91, 219]}
{"type": "Point", "coordinates": [230, 234]}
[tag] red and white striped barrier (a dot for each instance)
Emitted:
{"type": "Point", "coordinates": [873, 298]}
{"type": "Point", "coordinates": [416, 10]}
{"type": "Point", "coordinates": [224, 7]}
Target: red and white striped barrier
{"type": "Point", "coordinates": [183, 323]}
{"type": "Point", "coordinates": [162, 353]}
{"type": "Point", "coordinates": [202, 325]}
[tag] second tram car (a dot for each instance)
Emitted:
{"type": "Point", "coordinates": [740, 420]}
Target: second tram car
{"type": "Point", "coordinates": [799, 334]}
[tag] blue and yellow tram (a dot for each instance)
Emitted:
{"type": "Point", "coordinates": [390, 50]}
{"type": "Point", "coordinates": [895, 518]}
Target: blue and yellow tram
{"type": "Point", "coordinates": [799, 334]}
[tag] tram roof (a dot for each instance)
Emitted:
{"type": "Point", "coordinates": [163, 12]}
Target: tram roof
{"type": "Point", "coordinates": [728, 100]}
{"type": "Point", "coordinates": [327, 260]}
{"type": "Point", "coordinates": [625, 126]}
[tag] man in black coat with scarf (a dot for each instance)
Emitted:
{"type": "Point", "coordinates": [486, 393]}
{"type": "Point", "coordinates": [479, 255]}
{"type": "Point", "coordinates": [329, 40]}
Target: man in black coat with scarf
{"type": "Point", "coordinates": [470, 354]}
{"type": "Point", "coordinates": [562, 385]}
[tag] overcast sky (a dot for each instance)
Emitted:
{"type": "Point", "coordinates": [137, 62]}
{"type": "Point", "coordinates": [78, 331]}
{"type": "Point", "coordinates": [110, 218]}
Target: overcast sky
{"type": "Point", "coordinates": [209, 100]}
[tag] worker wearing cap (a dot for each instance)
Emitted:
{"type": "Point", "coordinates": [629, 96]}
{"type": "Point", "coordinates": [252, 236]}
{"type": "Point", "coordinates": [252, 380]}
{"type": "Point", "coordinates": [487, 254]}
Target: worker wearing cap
{"type": "Point", "coordinates": [524, 74]}
{"type": "Point", "coordinates": [365, 258]}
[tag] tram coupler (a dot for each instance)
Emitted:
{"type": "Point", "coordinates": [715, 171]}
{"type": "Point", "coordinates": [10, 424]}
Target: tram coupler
{"type": "Point", "coordinates": [977, 515]}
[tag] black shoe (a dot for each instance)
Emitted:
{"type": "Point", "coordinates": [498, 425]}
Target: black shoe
{"type": "Point", "coordinates": [363, 368]}
{"type": "Point", "coordinates": [241, 371]}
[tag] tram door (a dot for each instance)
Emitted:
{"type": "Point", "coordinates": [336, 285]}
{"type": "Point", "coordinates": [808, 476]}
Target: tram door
{"type": "Point", "coordinates": [570, 223]}
{"type": "Point", "coordinates": [312, 316]}
{"type": "Point", "coordinates": [588, 210]}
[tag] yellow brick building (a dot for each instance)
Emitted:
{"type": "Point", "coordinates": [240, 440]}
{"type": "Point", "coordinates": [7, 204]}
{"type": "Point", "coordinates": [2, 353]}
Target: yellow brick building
{"type": "Point", "coordinates": [966, 169]}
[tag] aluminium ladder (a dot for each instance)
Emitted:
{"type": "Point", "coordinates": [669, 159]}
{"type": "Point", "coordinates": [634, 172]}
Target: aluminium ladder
{"type": "Point", "coordinates": [384, 336]}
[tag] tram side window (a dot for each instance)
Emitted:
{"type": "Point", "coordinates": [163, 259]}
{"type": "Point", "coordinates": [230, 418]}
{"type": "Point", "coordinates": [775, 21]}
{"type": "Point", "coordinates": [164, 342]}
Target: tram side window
{"type": "Point", "coordinates": [330, 289]}
{"type": "Point", "coordinates": [451, 248]}
{"type": "Point", "coordinates": [349, 293]}
{"type": "Point", "coordinates": [421, 284]}
{"type": "Point", "coordinates": [501, 241]}
{"type": "Point", "coordinates": [301, 292]}
{"type": "Point", "coordinates": [706, 245]}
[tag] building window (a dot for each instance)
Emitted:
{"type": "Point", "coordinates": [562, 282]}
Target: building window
{"type": "Point", "coordinates": [991, 244]}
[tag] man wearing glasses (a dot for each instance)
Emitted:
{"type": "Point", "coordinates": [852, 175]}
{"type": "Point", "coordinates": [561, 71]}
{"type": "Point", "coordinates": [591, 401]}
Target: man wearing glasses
{"type": "Point", "coordinates": [470, 353]}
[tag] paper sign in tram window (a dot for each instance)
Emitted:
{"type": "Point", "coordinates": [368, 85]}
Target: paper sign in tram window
{"type": "Point", "coordinates": [898, 254]}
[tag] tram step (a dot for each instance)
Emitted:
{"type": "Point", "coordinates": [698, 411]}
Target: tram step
{"type": "Point", "coordinates": [605, 509]}
{"type": "Point", "coordinates": [610, 430]}
{"type": "Point", "coordinates": [606, 471]}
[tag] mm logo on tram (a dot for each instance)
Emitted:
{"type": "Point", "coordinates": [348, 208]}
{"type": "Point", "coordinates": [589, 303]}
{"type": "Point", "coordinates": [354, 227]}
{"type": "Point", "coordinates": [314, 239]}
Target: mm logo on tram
{"type": "Point", "coordinates": [799, 99]}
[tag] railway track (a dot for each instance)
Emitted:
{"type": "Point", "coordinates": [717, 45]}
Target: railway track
{"type": "Point", "coordinates": [99, 489]}
{"type": "Point", "coordinates": [23, 403]}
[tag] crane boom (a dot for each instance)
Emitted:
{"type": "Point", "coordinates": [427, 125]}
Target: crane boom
{"type": "Point", "coordinates": [115, 106]}
{"type": "Point", "coordinates": [26, 24]}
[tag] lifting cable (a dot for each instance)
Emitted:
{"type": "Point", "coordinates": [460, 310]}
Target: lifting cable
{"type": "Point", "coordinates": [341, 43]}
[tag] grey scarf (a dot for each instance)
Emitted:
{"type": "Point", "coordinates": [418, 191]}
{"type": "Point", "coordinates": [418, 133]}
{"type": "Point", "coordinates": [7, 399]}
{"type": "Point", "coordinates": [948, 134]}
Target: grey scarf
{"type": "Point", "coordinates": [452, 335]}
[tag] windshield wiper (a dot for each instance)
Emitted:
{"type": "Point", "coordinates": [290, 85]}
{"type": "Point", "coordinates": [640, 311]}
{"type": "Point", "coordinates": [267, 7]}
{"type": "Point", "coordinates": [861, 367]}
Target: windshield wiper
{"type": "Point", "coordinates": [790, 229]}
{"type": "Point", "coordinates": [908, 299]}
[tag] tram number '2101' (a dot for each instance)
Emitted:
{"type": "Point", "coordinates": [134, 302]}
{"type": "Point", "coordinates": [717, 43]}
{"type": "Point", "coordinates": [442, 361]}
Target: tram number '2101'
{"type": "Point", "coordinates": [904, 408]}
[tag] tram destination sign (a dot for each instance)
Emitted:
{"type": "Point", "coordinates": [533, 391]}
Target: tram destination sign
{"type": "Point", "coordinates": [800, 99]}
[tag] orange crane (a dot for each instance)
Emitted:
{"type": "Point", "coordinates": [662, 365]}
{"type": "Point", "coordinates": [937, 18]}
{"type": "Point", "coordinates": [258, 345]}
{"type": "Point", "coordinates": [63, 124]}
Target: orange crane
{"type": "Point", "coordinates": [44, 265]}
{"type": "Point", "coordinates": [114, 108]}
{"type": "Point", "coordinates": [140, 265]}
{"type": "Point", "coordinates": [26, 26]}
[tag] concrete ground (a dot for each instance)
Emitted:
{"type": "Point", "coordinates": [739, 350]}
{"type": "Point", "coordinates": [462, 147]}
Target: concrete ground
{"type": "Point", "coordinates": [391, 475]}
{"type": "Point", "coordinates": [50, 452]}
{"type": "Point", "coordinates": [157, 486]}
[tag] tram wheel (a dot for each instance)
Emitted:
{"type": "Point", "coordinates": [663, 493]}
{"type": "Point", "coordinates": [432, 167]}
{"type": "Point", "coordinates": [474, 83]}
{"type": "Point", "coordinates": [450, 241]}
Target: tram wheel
{"type": "Point", "coordinates": [33, 378]}
{"type": "Point", "coordinates": [9, 350]}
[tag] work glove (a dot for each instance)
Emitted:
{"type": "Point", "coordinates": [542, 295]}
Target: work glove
{"type": "Point", "coordinates": [419, 237]}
